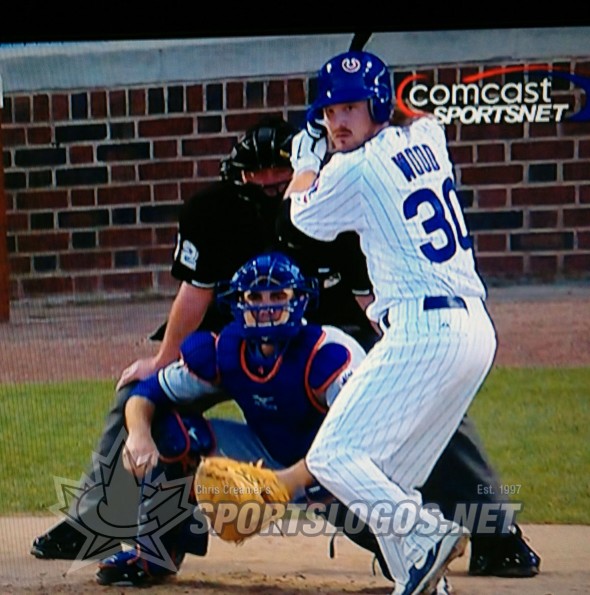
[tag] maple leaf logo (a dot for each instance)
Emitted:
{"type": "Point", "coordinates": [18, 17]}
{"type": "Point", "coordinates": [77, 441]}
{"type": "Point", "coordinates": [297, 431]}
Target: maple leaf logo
{"type": "Point", "coordinates": [111, 506]}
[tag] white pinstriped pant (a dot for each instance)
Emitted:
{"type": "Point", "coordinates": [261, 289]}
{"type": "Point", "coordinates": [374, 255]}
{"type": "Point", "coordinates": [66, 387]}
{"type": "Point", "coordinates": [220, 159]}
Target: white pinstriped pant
{"type": "Point", "coordinates": [396, 414]}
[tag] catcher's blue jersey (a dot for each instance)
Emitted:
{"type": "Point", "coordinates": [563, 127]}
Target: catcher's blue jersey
{"type": "Point", "coordinates": [278, 406]}
{"type": "Point", "coordinates": [283, 405]}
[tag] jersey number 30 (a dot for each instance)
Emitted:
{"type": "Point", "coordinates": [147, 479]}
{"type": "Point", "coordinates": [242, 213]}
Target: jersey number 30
{"type": "Point", "coordinates": [454, 231]}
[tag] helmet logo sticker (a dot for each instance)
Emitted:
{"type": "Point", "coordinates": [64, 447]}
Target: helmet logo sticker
{"type": "Point", "coordinates": [351, 65]}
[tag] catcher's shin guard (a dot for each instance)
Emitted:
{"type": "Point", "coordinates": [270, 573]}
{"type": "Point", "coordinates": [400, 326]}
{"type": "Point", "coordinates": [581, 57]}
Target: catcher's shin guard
{"type": "Point", "coordinates": [182, 438]}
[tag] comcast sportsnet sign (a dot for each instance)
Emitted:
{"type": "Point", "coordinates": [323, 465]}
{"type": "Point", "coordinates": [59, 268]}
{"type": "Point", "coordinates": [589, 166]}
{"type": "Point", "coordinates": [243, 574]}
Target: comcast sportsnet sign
{"type": "Point", "coordinates": [483, 99]}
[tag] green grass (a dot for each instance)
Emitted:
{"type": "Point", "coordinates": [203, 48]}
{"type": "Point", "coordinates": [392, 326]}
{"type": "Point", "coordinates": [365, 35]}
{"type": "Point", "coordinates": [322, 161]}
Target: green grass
{"type": "Point", "coordinates": [534, 424]}
{"type": "Point", "coordinates": [47, 430]}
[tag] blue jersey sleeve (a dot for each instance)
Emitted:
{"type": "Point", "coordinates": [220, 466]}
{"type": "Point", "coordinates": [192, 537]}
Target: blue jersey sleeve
{"type": "Point", "coordinates": [328, 363]}
{"type": "Point", "coordinates": [199, 354]}
{"type": "Point", "coordinates": [186, 380]}
{"type": "Point", "coordinates": [333, 364]}
{"type": "Point", "coordinates": [150, 389]}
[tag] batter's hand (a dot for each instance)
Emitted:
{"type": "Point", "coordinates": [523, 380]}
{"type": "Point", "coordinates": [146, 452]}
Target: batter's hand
{"type": "Point", "coordinates": [138, 370]}
{"type": "Point", "coordinates": [307, 153]}
{"type": "Point", "coordinates": [140, 454]}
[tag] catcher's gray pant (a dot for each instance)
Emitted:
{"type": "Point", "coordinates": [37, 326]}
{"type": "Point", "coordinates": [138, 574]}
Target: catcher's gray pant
{"type": "Point", "coordinates": [236, 440]}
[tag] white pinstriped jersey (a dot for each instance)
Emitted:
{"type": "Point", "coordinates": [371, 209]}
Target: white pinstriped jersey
{"type": "Point", "coordinates": [397, 191]}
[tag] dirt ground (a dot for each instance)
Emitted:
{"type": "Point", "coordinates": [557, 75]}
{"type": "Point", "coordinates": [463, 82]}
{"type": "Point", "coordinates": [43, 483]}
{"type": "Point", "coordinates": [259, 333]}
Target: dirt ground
{"type": "Point", "coordinates": [536, 326]}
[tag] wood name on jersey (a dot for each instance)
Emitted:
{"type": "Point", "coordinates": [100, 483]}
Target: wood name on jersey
{"type": "Point", "coordinates": [416, 161]}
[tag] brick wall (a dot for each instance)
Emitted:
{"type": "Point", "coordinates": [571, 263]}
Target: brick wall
{"type": "Point", "coordinates": [527, 189]}
{"type": "Point", "coordinates": [94, 178]}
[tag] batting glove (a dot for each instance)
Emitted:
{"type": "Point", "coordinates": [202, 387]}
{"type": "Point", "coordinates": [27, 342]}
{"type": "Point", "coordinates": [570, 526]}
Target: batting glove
{"type": "Point", "coordinates": [307, 153]}
{"type": "Point", "coordinates": [315, 129]}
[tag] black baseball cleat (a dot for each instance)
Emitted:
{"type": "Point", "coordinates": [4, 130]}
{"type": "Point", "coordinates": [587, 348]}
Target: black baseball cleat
{"type": "Point", "coordinates": [507, 556]}
{"type": "Point", "coordinates": [128, 569]}
{"type": "Point", "coordinates": [62, 542]}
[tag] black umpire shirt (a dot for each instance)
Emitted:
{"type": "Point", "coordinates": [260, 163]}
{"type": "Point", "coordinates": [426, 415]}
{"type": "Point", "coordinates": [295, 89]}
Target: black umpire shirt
{"type": "Point", "coordinates": [224, 225]}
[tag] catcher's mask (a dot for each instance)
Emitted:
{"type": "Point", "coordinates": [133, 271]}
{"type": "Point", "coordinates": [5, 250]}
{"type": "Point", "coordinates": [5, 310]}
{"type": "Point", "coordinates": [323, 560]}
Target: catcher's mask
{"type": "Point", "coordinates": [350, 77]}
{"type": "Point", "coordinates": [268, 297]}
{"type": "Point", "coordinates": [265, 146]}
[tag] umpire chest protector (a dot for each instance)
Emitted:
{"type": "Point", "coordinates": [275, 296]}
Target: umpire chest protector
{"type": "Point", "coordinates": [279, 405]}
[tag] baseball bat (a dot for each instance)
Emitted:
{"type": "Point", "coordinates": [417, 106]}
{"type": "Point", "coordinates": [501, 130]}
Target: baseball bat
{"type": "Point", "coordinates": [359, 41]}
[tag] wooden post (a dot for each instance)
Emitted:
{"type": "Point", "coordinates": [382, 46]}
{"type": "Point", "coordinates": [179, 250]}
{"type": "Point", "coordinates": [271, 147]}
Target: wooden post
{"type": "Point", "coordinates": [4, 277]}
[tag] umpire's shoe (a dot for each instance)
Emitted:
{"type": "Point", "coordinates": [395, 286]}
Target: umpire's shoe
{"type": "Point", "coordinates": [62, 542]}
{"type": "Point", "coordinates": [508, 556]}
{"type": "Point", "coordinates": [427, 572]}
{"type": "Point", "coordinates": [128, 569]}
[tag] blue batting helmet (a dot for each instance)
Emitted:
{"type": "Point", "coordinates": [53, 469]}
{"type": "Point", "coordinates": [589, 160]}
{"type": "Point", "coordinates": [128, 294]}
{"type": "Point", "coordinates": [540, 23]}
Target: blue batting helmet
{"type": "Point", "coordinates": [354, 76]}
{"type": "Point", "coordinates": [269, 272]}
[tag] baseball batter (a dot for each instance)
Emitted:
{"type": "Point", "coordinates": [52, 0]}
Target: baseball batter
{"type": "Point", "coordinates": [394, 186]}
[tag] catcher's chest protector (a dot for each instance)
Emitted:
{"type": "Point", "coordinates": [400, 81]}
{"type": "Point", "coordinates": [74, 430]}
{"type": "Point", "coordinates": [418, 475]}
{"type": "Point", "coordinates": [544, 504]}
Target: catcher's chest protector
{"type": "Point", "coordinates": [278, 406]}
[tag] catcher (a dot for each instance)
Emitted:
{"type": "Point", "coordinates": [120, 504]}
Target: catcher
{"type": "Point", "coordinates": [283, 374]}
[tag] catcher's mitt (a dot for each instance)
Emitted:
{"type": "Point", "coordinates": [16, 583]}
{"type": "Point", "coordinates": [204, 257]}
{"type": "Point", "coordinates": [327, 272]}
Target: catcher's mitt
{"type": "Point", "coordinates": [240, 499]}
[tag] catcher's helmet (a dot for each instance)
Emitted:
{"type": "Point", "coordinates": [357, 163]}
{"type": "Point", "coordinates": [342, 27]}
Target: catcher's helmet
{"type": "Point", "coordinates": [266, 145]}
{"type": "Point", "coordinates": [269, 272]}
{"type": "Point", "coordinates": [354, 76]}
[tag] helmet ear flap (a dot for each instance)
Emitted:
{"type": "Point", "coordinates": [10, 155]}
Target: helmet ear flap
{"type": "Point", "coordinates": [381, 102]}
{"type": "Point", "coordinates": [380, 108]}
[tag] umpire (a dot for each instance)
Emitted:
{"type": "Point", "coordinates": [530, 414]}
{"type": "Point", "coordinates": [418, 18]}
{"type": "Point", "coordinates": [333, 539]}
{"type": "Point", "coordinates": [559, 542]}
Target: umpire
{"type": "Point", "coordinates": [223, 226]}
